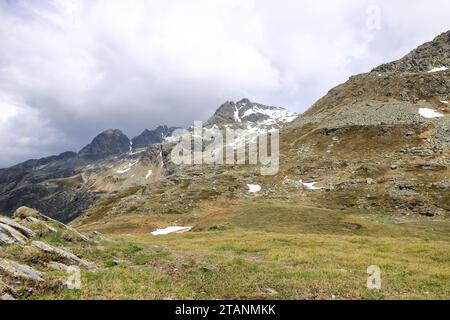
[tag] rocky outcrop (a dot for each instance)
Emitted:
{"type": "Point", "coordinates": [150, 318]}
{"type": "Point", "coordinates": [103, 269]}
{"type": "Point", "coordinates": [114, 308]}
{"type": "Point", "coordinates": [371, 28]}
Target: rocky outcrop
{"type": "Point", "coordinates": [61, 253]}
{"type": "Point", "coordinates": [24, 230]}
{"type": "Point", "coordinates": [25, 234]}
{"type": "Point", "coordinates": [10, 235]}
{"type": "Point", "coordinates": [35, 217]}
{"type": "Point", "coordinates": [17, 270]}
{"type": "Point", "coordinates": [433, 54]}
{"type": "Point", "coordinates": [29, 223]}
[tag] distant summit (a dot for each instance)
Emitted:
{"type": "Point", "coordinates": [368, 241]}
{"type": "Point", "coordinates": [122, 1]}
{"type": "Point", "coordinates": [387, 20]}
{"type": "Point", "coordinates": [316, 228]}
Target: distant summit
{"type": "Point", "coordinates": [246, 111]}
{"type": "Point", "coordinates": [433, 56]}
{"type": "Point", "coordinates": [107, 143]}
{"type": "Point", "coordinates": [148, 137]}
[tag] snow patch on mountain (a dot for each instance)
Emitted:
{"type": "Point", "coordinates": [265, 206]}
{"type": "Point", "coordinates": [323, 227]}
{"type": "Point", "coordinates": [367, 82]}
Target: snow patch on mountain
{"type": "Point", "coordinates": [178, 229]}
{"type": "Point", "coordinates": [429, 113]}
{"type": "Point", "coordinates": [128, 167]}
{"type": "Point", "coordinates": [123, 170]}
{"type": "Point", "coordinates": [438, 69]}
{"type": "Point", "coordinates": [236, 114]}
{"type": "Point", "coordinates": [309, 185]}
{"type": "Point", "coordinates": [254, 188]}
{"type": "Point", "coordinates": [275, 115]}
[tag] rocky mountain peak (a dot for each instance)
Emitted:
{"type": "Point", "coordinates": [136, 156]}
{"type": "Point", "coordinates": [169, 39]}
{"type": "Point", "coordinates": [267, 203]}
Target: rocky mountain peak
{"type": "Point", "coordinates": [433, 56]}
{"type": "Point", "coordinates": [107, 143]}
{"type": "Point", "coordinates": [247, 111]}
{"type": "Point", "coordinates": [148, 137]}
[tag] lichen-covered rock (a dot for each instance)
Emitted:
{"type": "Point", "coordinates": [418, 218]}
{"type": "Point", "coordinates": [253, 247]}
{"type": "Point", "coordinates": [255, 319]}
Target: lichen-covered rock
{"type": "Point", "coordinates": [17, 270]}
{"type": "Point", "coordinates": [24, 230]}
{"type": "Point", "coordinates": [10, 235]}
{"type": "Point", "coordinates": [5, 237]}
{"type": "Point", "coordinates": [40, 221]}
{"type": "Point", "coordinates": [25, 212]}
{"type": "Point", "coordinates": [7, 296]}
{"type": "Point", "coordinates": [62, 253]}
{"type": "Point", "coordinates": [57, 266]}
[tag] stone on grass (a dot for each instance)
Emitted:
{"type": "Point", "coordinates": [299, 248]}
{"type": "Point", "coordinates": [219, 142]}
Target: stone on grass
{"type": "Point", "coordinates": [24, 212]}
{"type": "Point", "coordinates": [7, 296]}
{"type": "Point", "coordinates": [24, 230]}
{"type": "Point", "coordinates": [10, 235]}
{"type": "Point", "coordinates": [18, 270]}
{"type": "Point", "coordinates": [62, 253]}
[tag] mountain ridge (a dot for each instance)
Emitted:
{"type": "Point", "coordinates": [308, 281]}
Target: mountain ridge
{"type": "Point", "coordinates": [387, 106]}
{"type": "Point", "coordinates": [64, 186]}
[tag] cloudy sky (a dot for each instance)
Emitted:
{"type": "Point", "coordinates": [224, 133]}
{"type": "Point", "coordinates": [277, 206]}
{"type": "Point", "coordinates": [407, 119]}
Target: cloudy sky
{"type": "Point", "coordinates": [70, 69]}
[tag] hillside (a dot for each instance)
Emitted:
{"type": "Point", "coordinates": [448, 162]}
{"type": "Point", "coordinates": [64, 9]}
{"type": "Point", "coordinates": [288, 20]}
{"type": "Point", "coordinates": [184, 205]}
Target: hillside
{"type": "Point", "coordinates": [382, 139]}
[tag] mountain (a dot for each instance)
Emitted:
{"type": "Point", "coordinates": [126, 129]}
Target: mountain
{"type": "Point", "coordinates": [107, 143]}
{"type": "Point", "coordinates": [64, 186]}
{"type": "Point", "coordinates": [148, 137]}
{"type": "Point", "coordinates": [245, 111]}
{"type": "Point", "coordinates": [379, 141]}
{"type": "Point", "coordinates": [364, 180]}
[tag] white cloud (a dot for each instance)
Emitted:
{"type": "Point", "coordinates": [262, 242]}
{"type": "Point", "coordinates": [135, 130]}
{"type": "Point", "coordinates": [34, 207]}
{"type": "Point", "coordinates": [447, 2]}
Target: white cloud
{"type": "Point", "coordinates": [79, 67]}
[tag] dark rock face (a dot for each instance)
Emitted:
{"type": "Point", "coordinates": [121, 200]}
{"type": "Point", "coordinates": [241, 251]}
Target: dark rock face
{"type": "Point", "coordinates": [223, 115]}
{"type": "Point", "coordinates": [63, 203]}
{"type": "Point", "coordinates": [108, 143]}
{"type": "Point", "coordinates": [52, 184]}
{"type": "Point", "coordinates": [55, 184]}
{"type": "Point", "coordinates": [148, 137]}
{"type": "Point", "coordinates": [39, 163]}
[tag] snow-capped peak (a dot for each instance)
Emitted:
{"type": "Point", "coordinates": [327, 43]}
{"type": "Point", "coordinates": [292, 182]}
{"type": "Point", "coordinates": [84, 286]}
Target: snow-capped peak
{"type": "Point", "coordinates": [245, 111]}
{"type": "Point", "coordinates": [274, 114]}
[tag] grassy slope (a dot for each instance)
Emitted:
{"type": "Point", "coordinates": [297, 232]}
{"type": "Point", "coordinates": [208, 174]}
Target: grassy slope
{"type": "Point", "coordinates": [299, 250]}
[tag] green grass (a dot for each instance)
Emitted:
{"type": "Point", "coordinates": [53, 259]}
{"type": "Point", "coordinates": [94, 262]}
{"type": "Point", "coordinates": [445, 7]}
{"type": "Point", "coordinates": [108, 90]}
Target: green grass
{"type": "Point", "coordinates": [297, 250]}
{"type": "Point", "coordinates": [308, 266]}
{"type": "Point", "coordinates": [53, 238]}
{"type": "Point", "coordinates": [116, 283]}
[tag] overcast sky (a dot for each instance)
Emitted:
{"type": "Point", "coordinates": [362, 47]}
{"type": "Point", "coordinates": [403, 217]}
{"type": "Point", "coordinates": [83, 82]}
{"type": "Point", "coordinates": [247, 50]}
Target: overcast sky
{"type": "Point", "coordinates": [71, 69]}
